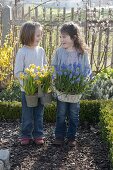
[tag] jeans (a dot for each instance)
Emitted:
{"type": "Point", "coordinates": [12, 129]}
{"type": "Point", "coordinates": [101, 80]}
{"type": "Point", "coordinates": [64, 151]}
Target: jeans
{"type": "Point", "coordinates": [71, 110]}
{"type": "Point", "coordinates": [32, 120]}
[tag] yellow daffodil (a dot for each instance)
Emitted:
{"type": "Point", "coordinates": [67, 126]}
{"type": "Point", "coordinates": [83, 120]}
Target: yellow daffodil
{"type": "Point", "coordinates": [32, 66]}
{"type": "Point", "coordinates": [21, 76]}
{"type": "Point", "coordinates": [38, 68]}
{"type": "Point", "coordinates": [33, 75]}
{"type": "Point", "coordinates": [38, 82]}
{"type": "Point", "coordinates": [27, 70]}
{"type": "Point", "coordinates": [32, 70]}
{"type": "Point", "coordinates": [39, 74]}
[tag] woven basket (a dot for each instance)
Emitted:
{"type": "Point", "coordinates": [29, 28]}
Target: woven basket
{"type": "Point", "coordinates": [67, 97]}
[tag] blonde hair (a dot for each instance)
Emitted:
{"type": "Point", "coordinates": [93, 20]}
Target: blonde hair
{"type": "Point", "coordinates": [27, 32]}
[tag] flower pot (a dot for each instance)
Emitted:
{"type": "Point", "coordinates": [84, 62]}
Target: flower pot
{"type": "Point", "coordinates": [32, 100]}
{"type": "Point", "coordinates": [68, 97]}
{"type": "Point", "coordinates": [46, 98]}
{"type": "Point", "coordinates": [40, 92]}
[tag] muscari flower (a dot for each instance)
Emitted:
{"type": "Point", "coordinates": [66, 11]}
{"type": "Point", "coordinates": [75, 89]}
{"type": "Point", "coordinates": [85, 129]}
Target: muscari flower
{"type": "Point", "coordinates": [57, 68]}
{"type": "Point", "coordinates": [70, 76]}
{"type": "Point", "coordinates": [63, 66]}
{"type": "Point", "coordinates": [65, 73]}
{"type": "Point", "coordinates": [87, 72]}
{"type": "Point", "coordinates": [59, 73]}
{"type": "Point", "coordinates": [69, 67]}
{"type": "Point", "coordinates": [79, 65]}
{"type": "Point", "coordinates": [74, 65]}
{"type": "Point", "coordinates": [77, 80]}
{"type": "Point", "coordinates": [53, 77]}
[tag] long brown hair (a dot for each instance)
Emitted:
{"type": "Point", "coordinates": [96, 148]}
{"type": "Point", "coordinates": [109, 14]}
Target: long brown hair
{"type": "Point", "coordinates": [73, 31]}
{"type": "Point", "coordinates": [27, 32]}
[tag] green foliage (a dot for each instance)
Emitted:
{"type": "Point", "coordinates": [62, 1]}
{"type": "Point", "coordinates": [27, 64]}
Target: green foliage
{"type": "Point", "coordinates": [106, 125]}
{"type": "Point", "coordinates": [12, 92]}
{"type": "Point", "coordinates": [89, 111]}
{"type": "Point", "coordinates": [30, 85]}
{"type": "Point", "coordinates": [50, 112]}
{"type": "Point", "coordinates": [103, 86]}
{"type": "Point", "coordinates": [46, 78]}
{"type": "Point", "coordinates": [10, 110]}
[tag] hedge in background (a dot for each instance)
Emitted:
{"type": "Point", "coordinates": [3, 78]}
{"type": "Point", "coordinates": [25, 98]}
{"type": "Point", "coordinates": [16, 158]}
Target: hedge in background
{"type": "Point", "coordinates": [10, 110]}
{"type": "Point", "coordinates": [89, 111]}
{"type": "Point", "coordinates": [12, 92]}
{"type": "Point", "coordinates": [106, 126]}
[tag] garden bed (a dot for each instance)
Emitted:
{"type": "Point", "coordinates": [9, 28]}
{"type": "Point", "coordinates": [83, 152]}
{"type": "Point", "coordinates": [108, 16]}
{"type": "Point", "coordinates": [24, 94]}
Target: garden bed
{"type": "Point", "coordinates": [90, 153]}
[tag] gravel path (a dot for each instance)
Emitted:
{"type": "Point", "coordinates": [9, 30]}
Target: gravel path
{"type": "Point", "coordinates": [90, 153]}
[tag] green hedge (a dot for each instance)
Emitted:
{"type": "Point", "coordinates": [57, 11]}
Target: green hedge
{"type": "Point", "coordinates": [12, 110]}
{"type": "Point", "coordinates": [89, 111]}
{"type": "Point", "coordinates": [106, 126]}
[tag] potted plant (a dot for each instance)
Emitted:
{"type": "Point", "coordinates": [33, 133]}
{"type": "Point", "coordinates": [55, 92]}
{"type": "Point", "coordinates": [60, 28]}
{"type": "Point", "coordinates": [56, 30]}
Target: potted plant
{"type": "Point", "coordinates": [70, 82]}
{"type": "Point", "coordinates": [45, 77]}
{"type": "Point", "coordinates": [30, 85]}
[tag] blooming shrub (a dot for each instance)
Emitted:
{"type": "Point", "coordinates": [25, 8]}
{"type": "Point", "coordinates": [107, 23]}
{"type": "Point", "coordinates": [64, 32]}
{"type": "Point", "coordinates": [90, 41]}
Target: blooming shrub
{"type": "Point", "coordinates": [103, 85]}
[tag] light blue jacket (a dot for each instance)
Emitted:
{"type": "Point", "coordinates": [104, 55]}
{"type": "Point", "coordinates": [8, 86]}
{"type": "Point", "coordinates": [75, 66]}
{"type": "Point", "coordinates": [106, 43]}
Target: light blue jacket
{"type": "Point", "coordinates": [63, 56]}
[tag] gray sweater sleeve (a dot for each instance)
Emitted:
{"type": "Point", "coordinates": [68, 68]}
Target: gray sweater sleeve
{"type": "Point", "coordinates": [19, 65]}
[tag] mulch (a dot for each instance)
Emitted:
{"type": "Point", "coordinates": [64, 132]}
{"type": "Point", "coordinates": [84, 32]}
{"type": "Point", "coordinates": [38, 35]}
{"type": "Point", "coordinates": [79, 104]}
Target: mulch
{"type": "Point", "coordinates": [90, 153]}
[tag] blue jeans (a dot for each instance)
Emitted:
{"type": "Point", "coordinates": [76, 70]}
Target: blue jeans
{"type": "Point", "coordinates": [32, 120]}
{"type": "Point", "coordinates": [71, 110]}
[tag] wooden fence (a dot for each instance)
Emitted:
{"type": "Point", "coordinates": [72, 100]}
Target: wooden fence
{"type": "Point", "coordinates": [96, 25]}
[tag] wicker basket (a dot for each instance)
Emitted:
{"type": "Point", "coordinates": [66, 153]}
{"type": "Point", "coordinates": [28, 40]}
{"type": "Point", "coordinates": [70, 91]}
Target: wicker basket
{"type": "Point", "coordinates": [67, 97]}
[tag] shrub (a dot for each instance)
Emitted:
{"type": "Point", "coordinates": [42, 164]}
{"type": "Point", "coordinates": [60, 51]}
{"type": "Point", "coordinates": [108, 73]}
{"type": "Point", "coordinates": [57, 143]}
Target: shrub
{"type": "Point", "coordinates": [89, 111]}
{"type": "Point", "coordinates": [102, 87]}
{"type": "Point", "coordinates": [106, 125]}
{"type": "Point", "coordinates": [6, 58]}
{"type": "Point", "coordinates": [12, 92]}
